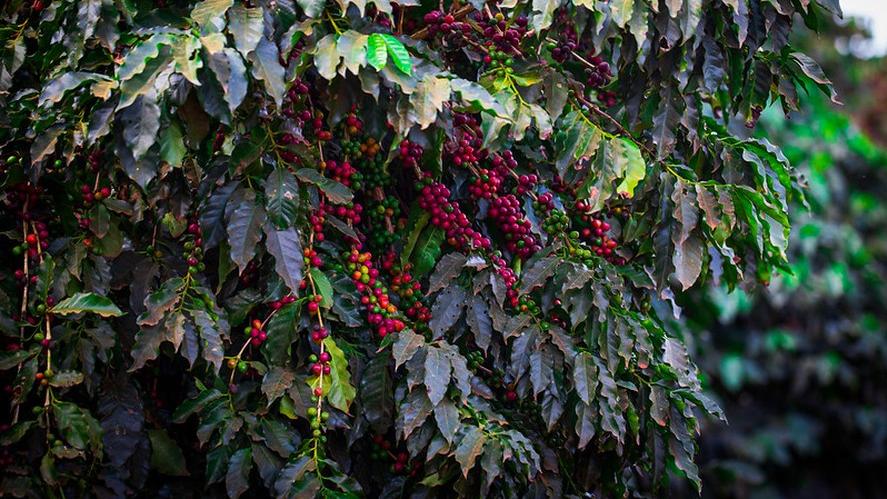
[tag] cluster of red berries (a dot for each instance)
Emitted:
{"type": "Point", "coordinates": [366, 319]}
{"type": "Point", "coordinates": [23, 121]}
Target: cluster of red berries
{"type": "Point", "coordinates": [568, 39]}
{"type": "Point", "coordinates": [438, 22]}
{"type": "Point", "coordinates": [526, 183]}
{"type": "Point", "coordinates": [506, 36]}
{"type": "Point", "coordinates": [486, 184]}
{"type": "Point", "coordinates": [465, 148]}
{"type": "Point", "coordinates": [314, 304]}
{"type": "Point", "coordinates": [507, 213]}
{"type": "Point", "coordinates": [608, 99]}
{"type": "Point", "coordinates": [94, 160]}
{"type": "Point", "coordinates": [318, 333]}
{"type": "Point", "coordinates": [410, 154]}
{"type": "Point", "coordinates": [194, 247]}
{"type": "Point", "coordinates": [353, 125]}
{"type": "Point", "coordinates": [509, 277]}
{"type": "Point", "coordinates": [381, 312]}
{"type": "Point", "coordinates": [21, 194]}
{"type": "Point", "coordinates": [595, 234]}
{"type": "Point", "coordinates": [37, 239]}
{"type": "Point", "coordinates": [341, 172]}
{"type": "Point", "coordinates": [382, 452]}
{"type": "Point", "coordinates": [350, 212]}
{"type": "Point", "coordinates": [296, 52]}
{"type": "Point", "coordinates": [256, 333]}
{"type": "Point", "coordinates": [289, 139]}
{"type": "Point", "coordinates": [312, 259]}
{"type": "Point", "coordinates": [317, 219]}
{"type": "Point", "coordinates": [296, 95]}
{"type": "Point", "coordinates": [250, 273]}
{"type": "Point", "coordinates": [89, 196]}
{"type": "Point", "coordinates": [434, 199]}
{"type": "Point", "coordinates": [320, 364]}
{"type": "Point", "coordinates": [409, 291]}
{"type": "Point", "coordinates": [599, 74]}
{"type": "Point", "coordinates": [278, 304]}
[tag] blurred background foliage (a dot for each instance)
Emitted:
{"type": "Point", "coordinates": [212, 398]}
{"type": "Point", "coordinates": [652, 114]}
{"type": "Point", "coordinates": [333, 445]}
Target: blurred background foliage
{"type": "Point", "coordinates": [801, 366]}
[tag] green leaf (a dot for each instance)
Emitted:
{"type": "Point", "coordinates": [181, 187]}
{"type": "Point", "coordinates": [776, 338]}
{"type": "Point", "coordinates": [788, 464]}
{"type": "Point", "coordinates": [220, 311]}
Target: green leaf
{"type": "Point", "coordinates": [266, 67]}
{"type": "Point", "coordinates": [55, 89]}
{"type": "Point", "coordinates": [377, 393]}
{"type": "Point", "coordinates": [428, 99]}
{"type": "Point", "coordinates": [237, 477]}
{"type": "Point", "coordinates": [136, 60]}
{"type": "Point", "coordinates": [282, 197]}
{"type": "Point", "coordinates": [10, 359]}
{"type": "Point", "coordinates": [77, 426]}
{"type": "Point", "coordinates": [244, 230]}
{"type": "Point", "coordinates": [377, 51]}
{"type": "Point", "coordinates": [470, 447]}
{"type": "Point", "coordinates": [230, 71]}
{"type": "Point", "coordinates": [186, 57]}
{"type": "Point", "coordinates": [281, 329]}
{"type": "Point", "coordinates": [621, 11]}
{"type": "Point", "coordinates": [352, 47]}
{"type": "Point", "coordinates": [446, 415]}
{"type": "Point", "coordinates": [585, 377]}
{"type": "Point", "coordinates": [336, 192]}
{"type": "Point", "coordinates": [66, 379]}
{"type": "Point", "coordinates": [298, 480]}
{"type": "Point", "coordinates": [406, 345]}
{"type": "Point", "coordinates": [166, 456]}
{"type": "Point", "coordinates": [448, 268]}
{"type": "Point", "coordinates": [16, 433]}
{"type": "Point", "coordinates": [211, 333]}
{"type": "Point", "coordinates": [312, 8]}
{"type": "Point", "coordinates": [195, 405]}
{"type": "Point", "coordinates": [210, 11]}
{"type": "Point", "coordinates": [630, 165]}
{"type": "Point", "coordinates": [172, 144]}
{"type": "Point", "coordinates": [140, 123]}
{"type": "Point", "coordinates": [160, 301]}
{"type": "Point", "coordinates": [276, 382]}
{"type": "Point", "coordinates": [538, 274]}
{"type": "Point", "coordinates": [427, 250]}
{"type": "Point", "coordinates": [324, 288]}
{"type": "Point", "coordinates": [688, 247]}
{"type": "Point", "coordinates": [285, 247]}
{"type": "Point", "coordinates": [418, 220]}
{"type": "Point", "coordinates": [446, 310]}
{"type": "Point", "coordinates": [246, 25]}
{"type": "Point", "coordinates": [437, 374]}
{"type": "Point", "coordinates": [341, 391]}
{"type": "Point", "coordinates": [398, 53]}
{"type": "Point", "coordinates": [87, 302]}
{"type": "Point", "coordinates": [326, 56]}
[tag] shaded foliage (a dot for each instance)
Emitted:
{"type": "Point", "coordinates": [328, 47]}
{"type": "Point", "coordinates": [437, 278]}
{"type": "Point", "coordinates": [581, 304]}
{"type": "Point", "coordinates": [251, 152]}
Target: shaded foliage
{"type": "Point", "coordinates": [339, 249]}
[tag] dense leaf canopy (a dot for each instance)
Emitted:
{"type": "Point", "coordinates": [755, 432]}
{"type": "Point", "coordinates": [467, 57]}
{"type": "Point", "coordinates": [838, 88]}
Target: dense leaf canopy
{"type": "Point", "coordinates": [799, 366]}
{"type": "Point", "coordinates": [307, 248]}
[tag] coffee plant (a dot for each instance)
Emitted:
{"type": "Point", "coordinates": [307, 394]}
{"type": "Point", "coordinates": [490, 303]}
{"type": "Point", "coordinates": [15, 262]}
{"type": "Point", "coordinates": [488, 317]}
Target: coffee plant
{"type": "Point", "coordinates": [798, 366]}
{"type": "Point", "coordinates": [303, 249]}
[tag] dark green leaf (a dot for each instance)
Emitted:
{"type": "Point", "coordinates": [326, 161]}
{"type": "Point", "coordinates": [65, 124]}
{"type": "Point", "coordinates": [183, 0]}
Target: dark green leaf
{"type": "Point", "coordinates": [470, 447]}
{"type": "Point", "coordinates": [336, 192]}
{"type": "Point", "coordinates": [244, 231]}
{"type": "Point", "coordinates": [237, 477]}
{"type": "Point", "coordinates": [282, 197]}
{"type": "Point", "coordinates": [166, 456]}
{"type": "Point", "coordinates": [87, 302]}
{"type": "Point", "coordinates": [285, 247]}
